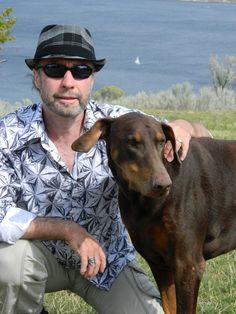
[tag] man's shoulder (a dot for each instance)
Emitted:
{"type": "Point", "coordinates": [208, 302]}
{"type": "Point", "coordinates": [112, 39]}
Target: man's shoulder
{"type": "Point", "coordinates": [105, 109]}
{"type": "Point", "coordinates": [17, 127]}
{"type": "Point", "coordinates": [21, 116]}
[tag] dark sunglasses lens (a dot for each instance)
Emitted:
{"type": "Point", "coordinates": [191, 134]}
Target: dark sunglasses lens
{"type": "Point", "coordinates": [55, 70]}
{"type": "Point", "coordinates": [81, 71]}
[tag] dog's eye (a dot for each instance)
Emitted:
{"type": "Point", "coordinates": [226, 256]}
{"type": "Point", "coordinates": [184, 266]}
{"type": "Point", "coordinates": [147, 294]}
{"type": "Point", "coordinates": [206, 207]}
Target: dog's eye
{"type": "Point", "coordinates": [159, 139]}
{"type": "Point", "coordinates": [134, 139]}
{"type": "Point", "coordinates": [132, 142]}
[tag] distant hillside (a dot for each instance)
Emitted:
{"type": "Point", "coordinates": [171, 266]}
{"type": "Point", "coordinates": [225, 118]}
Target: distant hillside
{"type": "Point", "coordinates": [216, 1]}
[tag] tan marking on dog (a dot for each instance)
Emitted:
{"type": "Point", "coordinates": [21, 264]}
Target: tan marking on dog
{"type": "Point", "coordinates": [158, 136]}
{"type": "Point", "coordinates": [137, 137]}
{"type": "Point", "coordinates": [136, 177]}
{"type": "Point", "coordinates": [134, 167]}
{"type": "Point", "coordinates": [131, 168]}
{"type": "Point", "coordinates": [160, 237]}
{"type": "Point", "coordinates": [114, 153]}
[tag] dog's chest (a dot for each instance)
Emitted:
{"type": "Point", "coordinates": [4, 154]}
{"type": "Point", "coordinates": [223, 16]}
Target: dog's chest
{"type": "Point", "coordinates": [147, 234]}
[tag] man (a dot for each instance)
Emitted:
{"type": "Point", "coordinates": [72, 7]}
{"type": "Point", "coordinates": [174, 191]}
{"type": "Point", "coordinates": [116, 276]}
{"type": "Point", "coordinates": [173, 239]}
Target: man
{"type": "Point", "coordinates": [60, 226]}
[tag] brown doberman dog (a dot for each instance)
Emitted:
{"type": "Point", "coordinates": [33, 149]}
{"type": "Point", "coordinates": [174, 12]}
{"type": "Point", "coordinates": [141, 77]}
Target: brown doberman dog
{"type": "Point", "coordinates": [178, 214]}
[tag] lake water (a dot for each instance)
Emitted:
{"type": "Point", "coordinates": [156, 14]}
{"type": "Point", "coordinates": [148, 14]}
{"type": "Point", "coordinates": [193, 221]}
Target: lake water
{"type": "Point", "coordinates": [173, 39]}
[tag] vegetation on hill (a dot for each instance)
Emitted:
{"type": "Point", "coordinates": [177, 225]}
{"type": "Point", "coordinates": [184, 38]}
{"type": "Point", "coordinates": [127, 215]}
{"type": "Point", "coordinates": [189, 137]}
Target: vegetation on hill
{"type": "Point", "coordinates": [6, 24]}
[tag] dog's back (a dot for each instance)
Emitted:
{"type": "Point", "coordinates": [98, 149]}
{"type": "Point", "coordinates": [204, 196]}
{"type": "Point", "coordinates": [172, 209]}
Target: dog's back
{"type": "Point", "coordinates": [207, 182]}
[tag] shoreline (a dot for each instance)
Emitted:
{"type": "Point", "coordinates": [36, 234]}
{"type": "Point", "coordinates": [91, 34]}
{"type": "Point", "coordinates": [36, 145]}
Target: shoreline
{"type": "Point", "coordinates": [212, 1]}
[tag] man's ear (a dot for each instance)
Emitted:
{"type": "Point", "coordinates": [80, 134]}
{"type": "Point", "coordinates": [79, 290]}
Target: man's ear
{"type": "Point", "coordinates": [36, 79]}
{"type": "Point", "coordinates": [100, 130]}
{"type": "Point", "coordinates": [170, 136]}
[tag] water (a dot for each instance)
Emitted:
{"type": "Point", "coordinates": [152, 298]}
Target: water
{"type": "Point", "coordinates": [173, 39]}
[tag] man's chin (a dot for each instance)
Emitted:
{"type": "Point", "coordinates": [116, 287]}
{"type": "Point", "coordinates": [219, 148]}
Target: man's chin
{"type": "Point", "coordinates": [69, 113]}
{"type": "Point", "coordinates": [65, 110]}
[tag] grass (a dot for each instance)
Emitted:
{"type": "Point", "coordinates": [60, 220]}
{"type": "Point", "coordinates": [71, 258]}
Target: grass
{"type": "Point", "coordinates": [218, 288]}
{"type": "Point", "coordinates": [221, 124]}
{"type": "Point", "coordinates": [65, 302]}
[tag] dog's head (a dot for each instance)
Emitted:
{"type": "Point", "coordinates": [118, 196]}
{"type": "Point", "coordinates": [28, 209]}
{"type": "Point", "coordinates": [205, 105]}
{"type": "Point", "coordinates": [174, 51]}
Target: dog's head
{"type": "Point", "coordinates": [135, 148]}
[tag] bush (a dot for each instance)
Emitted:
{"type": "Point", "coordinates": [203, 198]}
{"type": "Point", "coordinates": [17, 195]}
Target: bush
{"type": "Point", "coordinates": [108, 93]}
{"type": "Point", "coordinates": [6, 24]}
{"type": "Point", "coordinates": [223, 76]}
{"type": "Point", "coordinates": [7, 107]}
{"type": "Point", "coordinates": [181, 97]}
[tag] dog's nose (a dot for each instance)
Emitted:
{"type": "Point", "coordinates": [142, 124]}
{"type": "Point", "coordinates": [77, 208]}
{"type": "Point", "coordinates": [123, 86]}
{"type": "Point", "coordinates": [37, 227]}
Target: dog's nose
{"type": "Point", "coordinates": [161, 183]}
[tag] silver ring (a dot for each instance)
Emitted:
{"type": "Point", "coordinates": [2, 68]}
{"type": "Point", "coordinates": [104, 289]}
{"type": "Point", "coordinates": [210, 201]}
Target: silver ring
{"type": "Point", "coordinates": [92, 261]}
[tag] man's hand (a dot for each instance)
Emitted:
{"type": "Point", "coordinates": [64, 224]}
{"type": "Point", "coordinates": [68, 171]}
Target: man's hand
{"type": "Point", "coordinates": [87, 248]}
{"type": "Point", "coordinates": [183, 131]}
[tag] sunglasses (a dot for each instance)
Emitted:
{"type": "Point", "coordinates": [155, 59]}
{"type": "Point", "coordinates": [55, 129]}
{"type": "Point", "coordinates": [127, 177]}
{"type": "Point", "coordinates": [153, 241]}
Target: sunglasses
{"type": "Point", "coordinates": [79, 72]}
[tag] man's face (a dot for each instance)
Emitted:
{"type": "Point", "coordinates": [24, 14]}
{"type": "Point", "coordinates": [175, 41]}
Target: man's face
{"type": "Point", "coordinates": [66, 96]}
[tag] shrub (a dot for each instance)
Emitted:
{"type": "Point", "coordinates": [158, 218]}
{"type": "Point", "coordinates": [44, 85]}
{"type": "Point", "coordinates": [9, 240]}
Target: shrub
{"type": "Point", "coordinates": [223, 76]}
{"type": "Point", "coordinates": [181, 97]}
{"type": "Point", "coordinates": [108, 93]}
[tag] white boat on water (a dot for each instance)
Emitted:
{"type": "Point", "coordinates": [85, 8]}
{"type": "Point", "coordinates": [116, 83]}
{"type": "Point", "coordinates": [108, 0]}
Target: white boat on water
{"type": "Point", "coordinates": [137, 61]}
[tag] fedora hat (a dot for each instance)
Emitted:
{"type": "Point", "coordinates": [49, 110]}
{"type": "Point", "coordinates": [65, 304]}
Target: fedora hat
{"type": "Point", "coordinates": [65, 41]}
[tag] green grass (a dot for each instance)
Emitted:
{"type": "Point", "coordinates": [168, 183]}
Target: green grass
{"type": "Point", "coordinates": [65, 302]}
{"type": "Point", "coordinates": [221, 124]}
{"type": "Point", "coordinates": [218, 288]}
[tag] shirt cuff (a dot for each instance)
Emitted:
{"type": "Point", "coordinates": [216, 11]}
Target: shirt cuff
{"type": "Point", "coordinates": [14, 224]}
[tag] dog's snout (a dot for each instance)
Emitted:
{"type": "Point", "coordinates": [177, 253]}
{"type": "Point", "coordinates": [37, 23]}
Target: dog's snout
{"type": "Point", "coordinates": [162, 182]}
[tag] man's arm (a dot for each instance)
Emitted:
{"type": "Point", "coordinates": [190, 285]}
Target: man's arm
{"type": "Point", "coordinates": [77, 238]}
{"type": "Point", "coordinates": [16, 223]}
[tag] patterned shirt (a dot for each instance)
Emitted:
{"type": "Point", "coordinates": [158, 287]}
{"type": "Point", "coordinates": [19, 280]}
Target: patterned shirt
{"type": "Point", "coordinates": [35, 182]}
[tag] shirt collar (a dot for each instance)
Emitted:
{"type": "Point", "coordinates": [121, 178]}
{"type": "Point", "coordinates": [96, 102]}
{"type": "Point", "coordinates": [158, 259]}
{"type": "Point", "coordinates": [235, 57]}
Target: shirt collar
{"type": "Point", "coordinates": [30, 128]}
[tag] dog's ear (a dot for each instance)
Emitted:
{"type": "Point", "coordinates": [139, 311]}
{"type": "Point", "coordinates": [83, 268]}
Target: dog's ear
{"type": "Point", "coordinates": [170, 136]}
{"type": "Point", "coordinates": [100, 130]}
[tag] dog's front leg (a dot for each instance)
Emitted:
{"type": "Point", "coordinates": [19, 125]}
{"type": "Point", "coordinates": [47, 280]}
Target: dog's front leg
{"type": "Point", "coordinates": [188, 276]}
{"type": "Point", "coordinates": [165, 282]}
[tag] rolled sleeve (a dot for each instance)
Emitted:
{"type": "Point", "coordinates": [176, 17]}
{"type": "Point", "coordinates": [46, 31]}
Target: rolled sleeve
{"type": "Point", "coordinates": [13, 220]}
{"type": "Point", "coordinates": [14, 224]}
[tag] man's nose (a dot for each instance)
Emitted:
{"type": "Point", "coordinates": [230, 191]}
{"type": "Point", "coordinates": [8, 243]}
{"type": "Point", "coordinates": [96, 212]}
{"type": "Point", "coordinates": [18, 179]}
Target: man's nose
{"type": "Point", "coordinates": [68, 80]}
